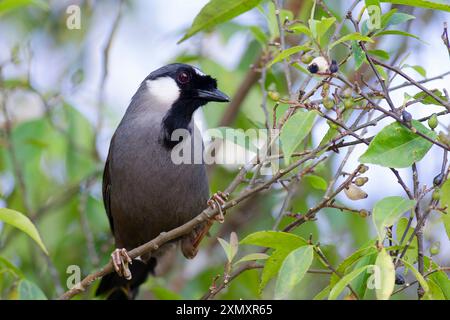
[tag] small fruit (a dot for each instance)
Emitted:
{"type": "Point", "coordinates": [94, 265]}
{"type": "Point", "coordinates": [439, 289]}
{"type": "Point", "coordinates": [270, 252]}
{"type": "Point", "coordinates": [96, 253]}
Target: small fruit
{"type": "Point", "coordinates": [328, 103]}
{"type": "Point", "coordinates": [437, 181]}
{"type": "Point", "coordinates": [399, 279]}
{"type": "Point", "coordinates": [435, 248]}
{"type": "Point", "coordinates": [274, 95]}
{"type": "Point", "coordinates": [348, 103]}
{"type": "Point", "coordinates": [436, 195]}
{"type": "Point", "coordinates": [307, 58]}
{"type": "Point", "coordinates": [354, 193]}
{"type": "Point", "coordinates": [433, 121]}
{"type": "Point", "coordinates": [406, 116]}
{"type": "Point", "coordinates": [363, 169]}
{"type": "Point", "coordinates": [360, 181]}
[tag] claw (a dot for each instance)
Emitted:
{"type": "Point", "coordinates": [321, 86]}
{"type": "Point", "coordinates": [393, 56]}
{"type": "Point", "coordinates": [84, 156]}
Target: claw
{"type": "Point", "coordinates": [121, 260]}
{"type": "Point", "coordinates": [218, 200]}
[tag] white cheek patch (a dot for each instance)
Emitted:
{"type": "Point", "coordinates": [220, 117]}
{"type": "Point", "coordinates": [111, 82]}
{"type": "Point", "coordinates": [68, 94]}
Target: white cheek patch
{"type": "Point", "coordinates": [164, 90]}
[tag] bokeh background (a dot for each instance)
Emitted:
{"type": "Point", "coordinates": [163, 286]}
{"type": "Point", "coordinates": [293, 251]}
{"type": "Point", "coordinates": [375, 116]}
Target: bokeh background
{"type": "Point", "coordinates": [65, 93]}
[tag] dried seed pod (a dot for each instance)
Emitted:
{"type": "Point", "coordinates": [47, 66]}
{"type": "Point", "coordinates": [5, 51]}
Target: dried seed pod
{"type": "Point", "coordinates": [407, 117]}
{"type": "Point", "coordinates": [354, 193]}
{"type": "Point", "coordinates": [437, 181]}
{"type": "Point", "coordinates": [435, 248]}
{"type": "Point", "coordinates": [433, 121]}
{"type": "Point", "coordinates": [399, 279]}
{"type": "Point", "coordinates": [274, 95]}
{"type": "Point", "coordinates": [360, 181]}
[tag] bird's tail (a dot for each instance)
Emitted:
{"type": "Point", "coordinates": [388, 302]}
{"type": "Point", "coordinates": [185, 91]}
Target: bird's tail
{"type": "Point", "coordinates": [116, 287]}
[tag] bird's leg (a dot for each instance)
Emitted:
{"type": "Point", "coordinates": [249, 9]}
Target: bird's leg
{"type": "Point", "coordinates": [120, 260]}
{"type": "Point", "coordinates": [218, 200]}
{"type": "Point", "coordinates": [190, 243]}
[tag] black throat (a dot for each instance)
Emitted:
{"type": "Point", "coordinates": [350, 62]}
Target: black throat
{"type": "Point", "coordinates": [178, 117]}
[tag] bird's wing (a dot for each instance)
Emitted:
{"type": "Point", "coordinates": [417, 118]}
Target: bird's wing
{"type": "Point", "coordinates": [106, 189]}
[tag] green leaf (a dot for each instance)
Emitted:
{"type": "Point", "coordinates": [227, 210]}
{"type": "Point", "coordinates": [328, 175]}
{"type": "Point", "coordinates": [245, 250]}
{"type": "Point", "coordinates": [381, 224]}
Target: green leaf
{"type": "Point", "coordinates": [379, 53]}
{"type": "Point", "coordinates": [434, 291]}
{"type": "Point", "coordinates": [386, 270]}
{"type": "Point", "coordinates": [320, 27]}
{"type": "Point", "coordinates": [253, 256]}
{"type": "Point", "coordinates": [6, 265]}
{"type": "Point", "coordinates": [316, 182]}
{"type": "Point", "coordinates": [287, 53]}
{"type": "Point", "coordinates": [352, 36]}
{"type": "Point", "coordinates": [396, 33]}
{"type": "Point", "coordinates": [438, 277]}
{"type": "Point", "coordinates": [387, 211]}
{"type": "Point", "coordinates": [272, 266]}
{"type": "Point", "coordinates": [345, 281]}
{"type": "Point", "coordinates": [322, 294]}
{"type": "Point", "coordinates": [358, 55]}
{"type": "Point", "coordinates": [420, 70]}
{"type": "Point", "coordinates": [396, 146]}
{"type": "Point", "coordinates": [296, 128]}
{"type": "Point", "coordinates": [8, 5]}
{"type": "Point", "coordinates": [29, 291]}
{"type": "Point", "coordinates": [274, 239]}
{"type": "Point", "coordinates": [230, 248]}
{"type": "Point", "coordinates": [259, 35]}
{"type": "Point", "coordinates": [21, 222]}
{"type": "Point", "coordinates": [445, 202]}
{"type": "Point", "coordinates": [411, 252]}
{"type": "Point", "coordinates": [349, 261]}
{"type": "Point", "coordinates": [426, 99]}
{"type": "Point", "coordinates": [421, 3]}
{"type": "Point", "coordinates": [419, 277]}
{"type": "Point", "coordinates": [293, 270]}
{"type": "Point", "coordinates": [282, 242]}
{"type": "Point", "coordinates": [396, 18]}
{"type": "Point", "coordinates": [216, 12]}
{"type": "Point", "coordinates": [301, 28]}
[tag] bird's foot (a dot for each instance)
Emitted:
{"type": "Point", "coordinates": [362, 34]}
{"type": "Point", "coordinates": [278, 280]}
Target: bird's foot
{"type": "Point", "coordinates": [218, 200]}
{"type": "Point", "coordinates": [121, 260]}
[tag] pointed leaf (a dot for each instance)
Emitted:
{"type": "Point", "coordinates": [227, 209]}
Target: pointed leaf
{"type": "Point", "coordinates": [387, 211]}
{"type": "Point", "coordinates": [20, 221]}
{"type": "Point", "coordinates": [293, 270]}
{"type": "Point", "coordinates": [396, 146]}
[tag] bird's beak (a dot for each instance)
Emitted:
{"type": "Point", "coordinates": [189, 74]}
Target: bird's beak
{"type": "Point", "coordinates": [212, 95]}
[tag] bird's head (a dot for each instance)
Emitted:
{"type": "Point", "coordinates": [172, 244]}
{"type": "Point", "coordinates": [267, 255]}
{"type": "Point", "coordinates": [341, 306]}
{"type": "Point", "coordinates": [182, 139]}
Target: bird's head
{"type": "Point", "coordinates": [178, 90]}
{"type": "Point", "coordinates": [182, 84]}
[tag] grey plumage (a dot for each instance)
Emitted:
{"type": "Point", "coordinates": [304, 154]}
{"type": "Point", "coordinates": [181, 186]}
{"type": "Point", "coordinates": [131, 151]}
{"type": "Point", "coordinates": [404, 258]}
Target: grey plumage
{"type": "Point", "coordinates": [144, 192]}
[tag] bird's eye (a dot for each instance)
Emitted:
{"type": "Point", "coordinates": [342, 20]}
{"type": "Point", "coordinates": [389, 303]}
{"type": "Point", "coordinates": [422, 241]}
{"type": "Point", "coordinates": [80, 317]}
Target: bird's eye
{"type": "Point", "coordinates": [183, 77]}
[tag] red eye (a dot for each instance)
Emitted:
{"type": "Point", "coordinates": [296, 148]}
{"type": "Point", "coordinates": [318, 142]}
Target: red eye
{"type": "Point", "coordinates": [183, 77]}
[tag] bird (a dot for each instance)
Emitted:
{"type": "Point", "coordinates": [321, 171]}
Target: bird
{"type": "Point", "coordinates": [321, 66]}
{"type": "Point", "coordinates": [145, 192]}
